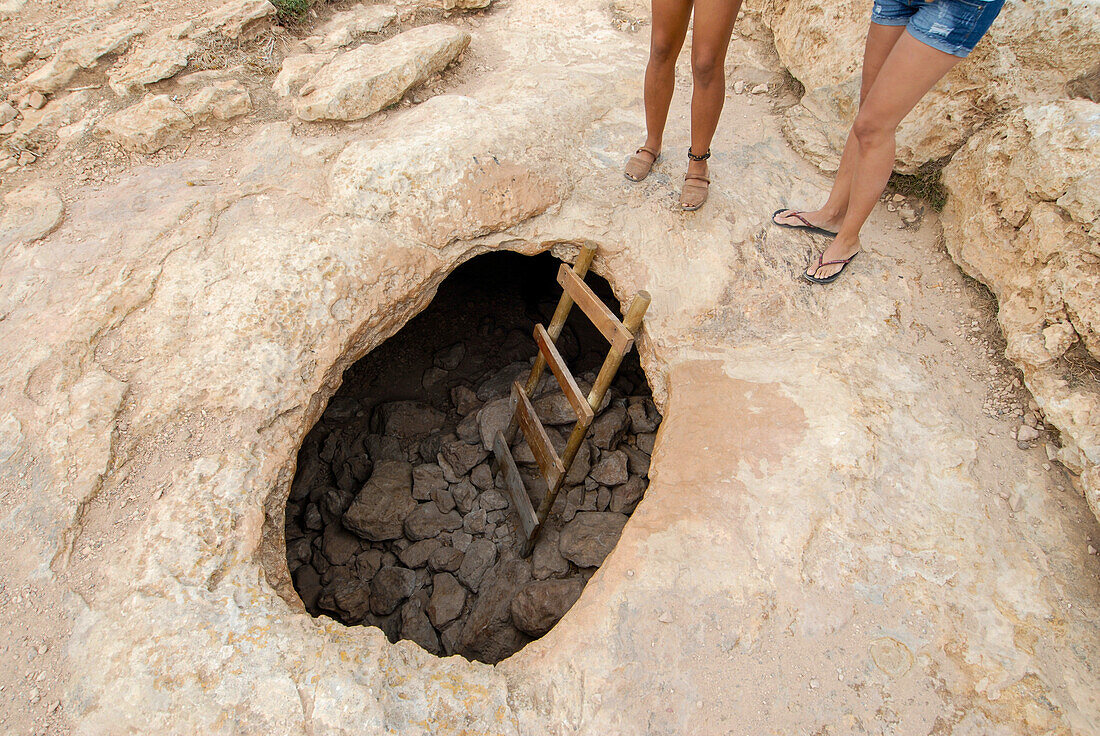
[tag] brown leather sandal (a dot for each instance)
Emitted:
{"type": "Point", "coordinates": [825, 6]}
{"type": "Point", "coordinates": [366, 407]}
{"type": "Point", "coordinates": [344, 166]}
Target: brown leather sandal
{"type": "Point", "coordinates": [638, 168]}
{"type": "Point", "coordinates": [693, 195]}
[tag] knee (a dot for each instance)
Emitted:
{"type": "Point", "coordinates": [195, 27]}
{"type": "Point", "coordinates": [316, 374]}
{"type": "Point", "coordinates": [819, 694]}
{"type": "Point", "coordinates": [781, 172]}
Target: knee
{"type": "Point", "coordinates": [662, 52]}
{"type": "Point", "coordinates": [869, 130]}
{"type": "Point", "coordinates": [706, 69]}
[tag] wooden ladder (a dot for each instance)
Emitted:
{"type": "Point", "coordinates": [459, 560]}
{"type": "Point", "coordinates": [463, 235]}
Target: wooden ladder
{"type": "Point", "coordinates": [620, 335]}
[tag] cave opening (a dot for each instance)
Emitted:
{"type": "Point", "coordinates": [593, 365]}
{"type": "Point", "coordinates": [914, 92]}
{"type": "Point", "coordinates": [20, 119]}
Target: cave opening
{"type": "Point", "coordinates": [395, 518]}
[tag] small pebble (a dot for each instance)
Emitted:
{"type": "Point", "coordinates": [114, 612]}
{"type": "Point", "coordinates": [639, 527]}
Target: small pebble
{"type": "Point", "coordinates": [665, 618]}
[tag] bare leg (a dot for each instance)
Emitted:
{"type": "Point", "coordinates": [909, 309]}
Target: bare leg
{"type": "Point", "coordinates": [880, 41]}
{"type": "Point", "coordinates": [710, 39]}
{"type": "Point", "coordinates": [908, 73]}
{"type": "Point", "coordinates": [670, 24]}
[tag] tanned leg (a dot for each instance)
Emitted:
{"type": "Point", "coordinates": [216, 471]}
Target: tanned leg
{"type": "Point", "coordinates": [670, 24]}
{"type": "Point", "coordinates": [911, 69]}
{"type": "Point", "coordinates": [880, 41]}
{"type": "Point", "coordinates": [710, 38]}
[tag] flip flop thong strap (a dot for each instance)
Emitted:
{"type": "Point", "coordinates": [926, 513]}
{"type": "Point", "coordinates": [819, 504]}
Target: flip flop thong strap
{"type": "Point", "coordinates": [834, 263]}
{"type": "Point", "coordinates": [798, 216]}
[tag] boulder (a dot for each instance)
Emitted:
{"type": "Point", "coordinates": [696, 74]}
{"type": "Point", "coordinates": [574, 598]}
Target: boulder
{"type": "Point", "coordinates": [81, 52]}
{"type": "Point", "coordinates": [427, 521]}
{"type": "Point", "coordinates": [492, 500]}
{"type": "Point", "coordinates": [416, 627]}
{"type": "Point", "coordinates": [380, 508]}
{"type": "Point", "coordinates": [417, 553]}
{"type": "Point", "coordinates": [427, 479]}
{"type": "Point", "coordinates": [340, 545]}
{"type": "Point", "coordinates": [643, 416]}
{"type": "Point", "coordinates": [148, 126]}
{"type": "Point", "coordinates": [637, 462]}
{"type": "Point", "coordinates": [162, 55]}
{"type": "Point", "coordinates": [590, 536]}
{"type": "Point", "coordinates": [354, 599]}
{"type": "Point", "coordinates": [464, 400]}
{"type": "Point", "coordinates": [297, 70]}
{"type": "Point", "coordinates": [447, 601]}
{"type": "Point", "coordinates": [546, 559]}
{"type": "Point", "coordinates": [410, 419]}
{"type": "Point", "coordinates": [482, 477]}
{"type": "Point", "coordinates": [541, 604]}
{"type": "Point", "coordinates": [611, 469]}
{"type": "Point", "coordinates": [609, 427]}
{"type": "Point", "coordinates": [554, 410]}
{"type": "Point", "coordinates": [445, 559]}
{"type": "Point", "coordinates": [500, 383]}
{"type": "Point", "coordinates": [492, 418]}
{"type": "Point", "coordinates": [389, 587]}
{"type": "Point", "coordinates": [359, 83]}
{"type": "Point", "coordinates": [489, 635]}
{"type": "Point", "coordinates": [625, 497]}
{"type": "Point", "coordinates": [444, 501]}
{"type": "Point", "coordinates": [344, 27]}
{"type": "Point", "coordinates": [450, 358]}
{"type": "Point", "coordinates": [464, 495]}
{"type": "Point", "coordinates": [480, 556]}
{"type": "Point", "coordinates": [460, 458]}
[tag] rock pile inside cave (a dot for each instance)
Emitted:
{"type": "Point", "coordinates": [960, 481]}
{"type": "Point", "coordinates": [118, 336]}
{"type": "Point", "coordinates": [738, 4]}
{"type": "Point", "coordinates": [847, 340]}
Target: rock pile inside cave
{"type": "Point", "coordinates": [395, 518]}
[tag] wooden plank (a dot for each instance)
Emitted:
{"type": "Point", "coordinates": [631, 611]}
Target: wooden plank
{"type": "Point", "coordinates": [602, 317]}
{"type": "Point", "coordinates": [512, 479]}
{"type": "Point", "coordinates": [565, 379]}
{"type": "Point", "coordinates": [535, 434]}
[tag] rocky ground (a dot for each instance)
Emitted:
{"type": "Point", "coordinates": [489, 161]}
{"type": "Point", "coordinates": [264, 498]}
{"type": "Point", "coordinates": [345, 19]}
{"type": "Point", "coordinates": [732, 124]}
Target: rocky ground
{"type": "Point", "coordinates": [395, 518]}
{"type": "Point", "coordinates": [848, 528]}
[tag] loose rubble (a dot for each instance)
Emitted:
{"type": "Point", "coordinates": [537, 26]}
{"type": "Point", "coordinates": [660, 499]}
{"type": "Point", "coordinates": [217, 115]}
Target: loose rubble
{"type": "Point", "coordinates": [396, 520]}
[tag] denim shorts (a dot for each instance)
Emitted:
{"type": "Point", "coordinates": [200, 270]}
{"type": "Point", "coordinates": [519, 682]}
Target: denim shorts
{"type": "Point", "coordinates": [952, 26]}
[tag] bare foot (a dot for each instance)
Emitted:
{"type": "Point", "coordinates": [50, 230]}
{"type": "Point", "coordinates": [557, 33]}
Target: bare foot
{"type": "Point", "coordinates": [818, 218]}
{"type": "Point", "coordinates": [837, 251]}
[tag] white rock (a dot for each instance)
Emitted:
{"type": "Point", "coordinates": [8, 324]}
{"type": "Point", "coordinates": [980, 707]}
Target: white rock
{"type": "Point", "coordinates": [759, 89]}
{"type": "Point", "coordinates": [169, 50]}
{"type": "Point", "coordinates": [297, 70]}
{"type": "Point", "coordinates": [345, 27]}
{"type": "Point", "coordinates": [79, 53]}
{"type": "Point", "coordinates": [738, 86]}
{"type": "Point", "coordinates": [147, 126]}
{"type": "Point", "coordinates": [223, 101]}
{"type": "Point", "coordinates": [361, 82]}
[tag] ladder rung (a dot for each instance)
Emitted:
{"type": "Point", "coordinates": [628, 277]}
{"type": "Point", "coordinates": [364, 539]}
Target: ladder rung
{"type": "Point", "coordinates": [512, 479]}
{"type": "Point", "coordinates": [602, 317]}
{"type": "Point", "coordinates": [565, 379]}
{"type": "Point", "coordinates": [539, 441]}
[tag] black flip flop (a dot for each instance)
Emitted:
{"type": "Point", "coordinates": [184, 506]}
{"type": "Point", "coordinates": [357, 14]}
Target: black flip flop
{"type": "Point", "coordinates": [806, 224]}
{"type": "Point", "coordinates": [829, 279]}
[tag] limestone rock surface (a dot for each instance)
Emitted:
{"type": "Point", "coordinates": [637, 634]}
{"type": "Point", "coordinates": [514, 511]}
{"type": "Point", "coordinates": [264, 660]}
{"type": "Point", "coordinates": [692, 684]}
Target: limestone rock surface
{"type": "Point", "coordinates": [359, 83]}
{"type": "Point", "coordinates": [1024, 218]}
{"type": "Point", "coordinates": [79, 53]}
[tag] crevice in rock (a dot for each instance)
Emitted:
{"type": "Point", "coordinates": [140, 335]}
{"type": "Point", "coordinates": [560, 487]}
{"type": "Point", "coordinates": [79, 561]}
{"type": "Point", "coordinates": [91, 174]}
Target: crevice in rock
{"type": "Point", "coordinates": [395, 518]}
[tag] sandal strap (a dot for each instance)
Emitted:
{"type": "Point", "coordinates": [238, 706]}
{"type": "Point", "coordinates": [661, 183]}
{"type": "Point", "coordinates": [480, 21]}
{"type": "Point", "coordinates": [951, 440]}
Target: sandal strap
{"type": "Point", "coordinates": [834, 263]}
{"type": "Point", "coordinates": [693, 157]}
{"type": "Point", "coordinates": [648, 150]}
{"type": "Point", "coordinates": [698, 177]}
